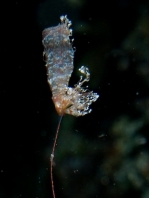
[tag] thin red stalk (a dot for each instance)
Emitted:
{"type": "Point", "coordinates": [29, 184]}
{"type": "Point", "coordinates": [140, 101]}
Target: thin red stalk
{"type": "Point", "coordinates": [52, 156]}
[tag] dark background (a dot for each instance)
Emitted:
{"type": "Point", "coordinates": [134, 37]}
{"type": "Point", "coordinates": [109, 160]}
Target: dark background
{"type": "Point", "coordinates": [103, 154]}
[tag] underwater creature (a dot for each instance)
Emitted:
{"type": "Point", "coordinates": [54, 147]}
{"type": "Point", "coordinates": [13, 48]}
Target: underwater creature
{"type": "Point", "coordinates": [58, 55]}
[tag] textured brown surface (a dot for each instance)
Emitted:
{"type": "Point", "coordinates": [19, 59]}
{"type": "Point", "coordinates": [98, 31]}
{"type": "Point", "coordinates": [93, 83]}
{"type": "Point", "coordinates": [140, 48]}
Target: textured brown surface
{"type": "Point", "coordinates": [58, 54]}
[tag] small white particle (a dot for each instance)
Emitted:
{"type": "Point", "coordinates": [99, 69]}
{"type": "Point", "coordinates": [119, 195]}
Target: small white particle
{"type": "Point", "coordinates": [75, 171]}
